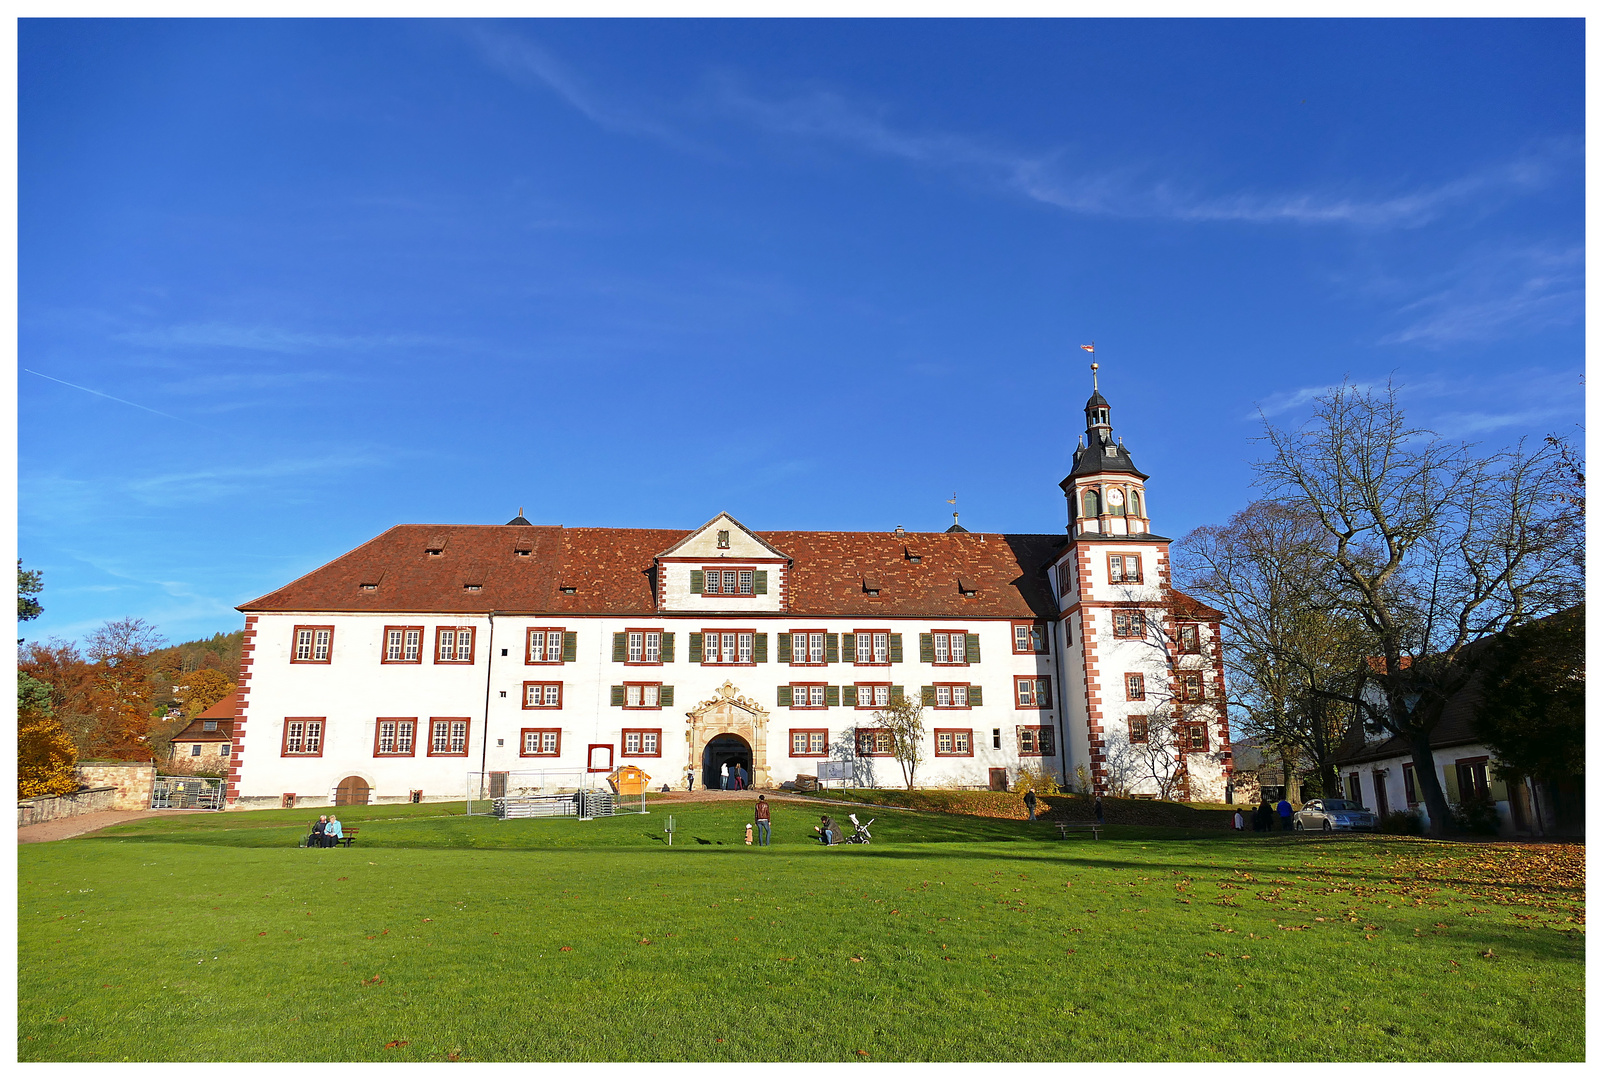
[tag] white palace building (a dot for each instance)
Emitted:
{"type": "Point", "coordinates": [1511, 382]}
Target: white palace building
{"type": "Point", "coordinates": [435, 658]}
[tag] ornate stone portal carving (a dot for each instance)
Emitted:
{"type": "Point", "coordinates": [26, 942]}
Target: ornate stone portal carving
{"type": "Point", "coordinates": [731, 713]}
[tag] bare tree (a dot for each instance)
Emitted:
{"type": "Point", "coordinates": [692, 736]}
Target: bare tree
{"type": "Point", "coordinates": [1292, 643]}
{"type": "Point", "coordinates": [903, 721]}
{"type": "Point", "coordinates": [1434, 546]}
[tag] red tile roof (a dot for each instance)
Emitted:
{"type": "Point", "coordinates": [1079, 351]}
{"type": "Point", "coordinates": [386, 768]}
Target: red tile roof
{"type": "Point", "coordinates": [196, 732]}
{"type": "Point", "coordinates": [612, 571]}
{"type": "Point", "coordinates": [226, 709]}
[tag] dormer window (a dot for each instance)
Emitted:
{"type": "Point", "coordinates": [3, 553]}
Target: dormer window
{"type": "Point", "coordinates": [966, 587]}
{"type": "Point", "coordinates": [522, 549]}
{"type": "Point", "coordinates": [208, 725]}
{"type": "Point", "coordinates": [912, 556]}
{"type": "Point", "coordinates": [723, 539]}
{"type": "Point", "coordinates": [370, 586]}
{"type": "Point", "coordinates": [871, 585]}
{"type": "Point", "coordinates": [569, 590]}
{"type": "Point", "coordinates": [472, 588]}
{"type": "Point", "coordinates": [434, 551]}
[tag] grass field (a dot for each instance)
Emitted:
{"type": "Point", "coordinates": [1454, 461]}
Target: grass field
{"type": "Point", "coordinates": [440, 937]}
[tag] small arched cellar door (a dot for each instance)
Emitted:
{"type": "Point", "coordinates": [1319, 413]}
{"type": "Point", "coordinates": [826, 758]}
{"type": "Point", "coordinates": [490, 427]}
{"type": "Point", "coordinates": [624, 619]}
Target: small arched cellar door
{"type": "Point", "coordinates": [353, 791]}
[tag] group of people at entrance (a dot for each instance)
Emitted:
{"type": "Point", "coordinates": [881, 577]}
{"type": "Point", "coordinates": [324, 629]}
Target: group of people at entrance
{"type": "Point", "coordinates": [1263, 816]}
{"type": "Point", "coordinates": [326, 833]}
{"type": "Point", "coordinates": [737, 780]}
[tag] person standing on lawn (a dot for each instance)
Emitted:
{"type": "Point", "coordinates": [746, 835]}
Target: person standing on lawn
{"type": "Point", "coordinates": [690, 778]}
{"type": "Point", "coordinates": [1029, 803]}
{"type": "Point", "coordinates": [763, 821]}
{"type": "Point", "coordinates": [1237, 822]}
{"type": "Point", "coordinates": [333, 832]}
{"type": "Point", "coordinates": [1098, 808]}
{"type": "Point", "coordinates": [1284, 808]}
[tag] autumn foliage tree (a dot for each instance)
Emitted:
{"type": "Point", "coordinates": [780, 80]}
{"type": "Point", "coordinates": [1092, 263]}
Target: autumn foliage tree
{"type": "Point", "coordinates": [903, 719]}
{"type": "Point", "coordinates": [201, 690]}
{"type": "Point", "coordinates": [46, 758]}
{"type": "Point", "coordinates": [122, 694]}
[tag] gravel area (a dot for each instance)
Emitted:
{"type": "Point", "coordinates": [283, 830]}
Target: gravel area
{"type": "Point", "coordinates": [61, 828]}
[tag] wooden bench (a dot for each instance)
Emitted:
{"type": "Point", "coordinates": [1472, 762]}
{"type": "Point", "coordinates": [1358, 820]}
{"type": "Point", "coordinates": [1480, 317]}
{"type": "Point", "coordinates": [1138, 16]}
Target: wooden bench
{"type": "Point", "coordinates": [348, 836]}
{"type": "Point", "coordinates": [1065, 826]}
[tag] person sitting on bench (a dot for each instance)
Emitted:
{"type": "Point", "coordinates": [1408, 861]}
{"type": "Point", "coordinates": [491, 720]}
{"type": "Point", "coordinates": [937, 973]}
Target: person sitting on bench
{"type": "Point", "coordinates": [333, 832]}
{"type": "Point", "coordinates": [316, 839]}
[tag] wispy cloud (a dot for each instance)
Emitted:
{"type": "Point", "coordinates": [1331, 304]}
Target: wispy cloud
{"type": "Point", "coordinates": [266, 338]}
{"type": "Point", "coordinates": [1496, 294]}
{"type": "Point", "coordinates": [1284, 401]}
{"type": "Point", "coordinates": [209, 485]}
{"type": "Point", "coordinates": [109, 397]}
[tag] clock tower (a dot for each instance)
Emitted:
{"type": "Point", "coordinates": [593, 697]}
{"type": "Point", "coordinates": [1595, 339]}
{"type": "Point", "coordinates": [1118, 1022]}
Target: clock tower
{"type": "Point", "coordinates": [1105, 490]}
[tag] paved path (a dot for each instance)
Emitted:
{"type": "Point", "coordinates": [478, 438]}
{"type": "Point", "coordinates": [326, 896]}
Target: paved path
{"type": "Point", "coordinates": [61, 828]}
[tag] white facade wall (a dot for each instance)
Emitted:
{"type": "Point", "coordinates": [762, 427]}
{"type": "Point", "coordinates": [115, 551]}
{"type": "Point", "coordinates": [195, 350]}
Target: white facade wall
{"type": "Point", "coordinates": [1389, 772]}
{"type": "Point", "coordinates": [355, 689]}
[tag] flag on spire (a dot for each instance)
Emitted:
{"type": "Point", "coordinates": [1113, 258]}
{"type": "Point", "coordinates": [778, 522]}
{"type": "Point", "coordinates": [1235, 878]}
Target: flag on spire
{"type": "Point", "coordinates": [1089, 348]}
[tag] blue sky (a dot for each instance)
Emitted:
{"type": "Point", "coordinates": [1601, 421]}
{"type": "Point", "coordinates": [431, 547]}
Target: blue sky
{"type": "Point", "coordinates": [285, 284]}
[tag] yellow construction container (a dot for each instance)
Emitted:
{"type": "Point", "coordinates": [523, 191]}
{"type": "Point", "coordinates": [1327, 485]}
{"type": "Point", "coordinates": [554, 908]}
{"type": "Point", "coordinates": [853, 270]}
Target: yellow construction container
{"type": "Point", "coordinates": [628, 780]}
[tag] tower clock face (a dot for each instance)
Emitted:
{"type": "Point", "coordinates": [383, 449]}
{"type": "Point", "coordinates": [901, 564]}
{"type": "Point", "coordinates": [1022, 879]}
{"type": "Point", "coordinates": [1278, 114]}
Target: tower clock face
{"type": "Point", "coordinates": [1115, 497]}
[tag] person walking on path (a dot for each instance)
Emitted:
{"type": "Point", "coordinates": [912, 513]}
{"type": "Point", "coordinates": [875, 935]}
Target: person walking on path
{"type": "Point", "coordinates": [1029, 803]}
{"type": "Point", "coordinates": [334, 831]}
{"type": "Point", "coordinates": [1284, 808]}
{"type": "Point", "coordinates": [740, 777]}
{"type": "Point", "coordinates": [1237, 822]}
{"type": "Point", "coordinates": [1098, 808]}
{"type": "Point", "coordinates": [763, 821]}
{"type": "Point", "coordinates": [690, 778]}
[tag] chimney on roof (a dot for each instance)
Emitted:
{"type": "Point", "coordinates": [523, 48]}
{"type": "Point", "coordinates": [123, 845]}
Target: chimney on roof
{"type": "Point", "coordinates": [900, 531]}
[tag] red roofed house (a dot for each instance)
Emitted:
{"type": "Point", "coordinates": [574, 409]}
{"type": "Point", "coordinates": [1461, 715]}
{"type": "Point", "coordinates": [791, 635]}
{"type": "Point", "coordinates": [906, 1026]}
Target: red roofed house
{"type": "Point", "coordinates": [433, 652]}
{"type": "Point", "coordinates": [208, 740]}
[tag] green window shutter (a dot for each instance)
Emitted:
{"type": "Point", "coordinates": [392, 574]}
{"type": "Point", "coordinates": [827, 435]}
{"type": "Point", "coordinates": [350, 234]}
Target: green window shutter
{"type": "Point", "coordinates": [848, 696]}
{"type": "Point", "coordinates": [926, 648]}
{"type": "Point", "coordinates": [695, 648]}
{"type": "Point", "coordinates": [832, 696]}
{"type": "Point", "coordinates": [759, 582]}
{"type": "Point", "coordinates": [784, 648]}
{"type": "Point", "coordinates": [896, 648]}
{"type": "Point", "coordinates": [972, 648]}
{"type": "Point", "coordinates": [617, 695]}
{"type": "Point", "coordinates": [570, 646]}
{"type": "Point", "coordinates": [784, 697]}
{"type": "Point", "coordinates": [698, 581]}
{"type": "Point", "coordinates": [620, 648]}
{"type": "Point", "coordinates": [975, 697]}
{"type": "Point", "coordinates": [667, 646]}
{"type": "Point", "coordinates": [897, 693]}
{"type": "Point", "coordinates": [926, 695]}
{"type": "Point", "coordinates": [759, 648]}
{"type": "Point", "coordinates": [665, 696]}
{"type": "Point", "coordinates": [848, 647]}
{"type": "Point", "coordinates": [831, 648]}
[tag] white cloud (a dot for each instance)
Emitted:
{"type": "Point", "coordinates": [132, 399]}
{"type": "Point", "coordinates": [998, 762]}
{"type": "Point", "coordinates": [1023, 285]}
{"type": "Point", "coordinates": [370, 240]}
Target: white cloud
{"type": "Point", "coordinates": [265, 338]}
{"type": "Point", "coordinates": [1497, 293]}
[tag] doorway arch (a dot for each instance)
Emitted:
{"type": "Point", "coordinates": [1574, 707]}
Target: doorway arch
{"type": "Point", "coordinates": [720, 751]}
{"type": "Point", "coordinates": [352, 791]}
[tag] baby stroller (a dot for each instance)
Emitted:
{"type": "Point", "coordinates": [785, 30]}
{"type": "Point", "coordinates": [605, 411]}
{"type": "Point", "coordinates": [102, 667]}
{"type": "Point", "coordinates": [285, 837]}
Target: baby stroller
{"type": "Point", "coordinates": [862, 835]}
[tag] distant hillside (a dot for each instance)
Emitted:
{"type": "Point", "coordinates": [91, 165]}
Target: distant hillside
{"type": "Point", "coordinates": [220, 652]}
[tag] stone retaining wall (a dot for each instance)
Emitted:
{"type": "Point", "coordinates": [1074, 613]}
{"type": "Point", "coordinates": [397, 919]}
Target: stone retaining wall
{"type": "Point", "coordinates": [92, 800]}
{"type": "Point", "coordinates": [135, 781]}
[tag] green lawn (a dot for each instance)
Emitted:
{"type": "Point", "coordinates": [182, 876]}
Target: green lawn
{"type": "Point", "coordinates": [212, 937]}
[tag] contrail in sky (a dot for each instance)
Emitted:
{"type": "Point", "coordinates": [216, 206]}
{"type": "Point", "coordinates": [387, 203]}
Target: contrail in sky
{"type": "Point", "coordinates": [97, 393]}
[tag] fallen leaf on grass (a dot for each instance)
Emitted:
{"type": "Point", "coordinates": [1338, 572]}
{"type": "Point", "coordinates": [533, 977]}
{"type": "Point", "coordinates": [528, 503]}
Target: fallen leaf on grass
{"type": "Point", "coordinates": [342, 879]}
{"type": "Point", "coordinates": [428, 920]}
{"type": "Point", "coordinates": [374, 981]}
{"type": "Point", "coordinates": [453, 1055]}
{"type": "Point", "coordinates": [861, 1053]}
{"type": "Point", "coordinates": [857, 959]}
{"type": "Point", "coordinates": [1487, 955]}
{"type": "Point", "coordinates": [264, 933]}
{"type": "Point", "coordinates": [566, 948]}
{"type": "Point", "coordinates": [394, 1044]}
{"type": "Point", "coordinates": [647, 941]}
{"type": "Point", "coordinates": [787, 959]}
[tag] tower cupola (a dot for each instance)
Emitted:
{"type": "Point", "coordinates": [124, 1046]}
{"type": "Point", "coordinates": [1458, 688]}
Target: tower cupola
{"type": "Point", "coordinates": [1105, 490]}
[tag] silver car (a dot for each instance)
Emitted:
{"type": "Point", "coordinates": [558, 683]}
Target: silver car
{"type": "Point", "coordinates": [1328, 815]}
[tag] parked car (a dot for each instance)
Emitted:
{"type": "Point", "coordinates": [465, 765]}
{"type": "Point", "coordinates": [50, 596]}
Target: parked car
{"type": "Point", "coordinates": [1327, 815]}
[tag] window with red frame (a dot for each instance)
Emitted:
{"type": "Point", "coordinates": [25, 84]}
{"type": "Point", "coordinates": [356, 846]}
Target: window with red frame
{"type": "Point", "coordinates": [808, 742]}
{"type": "Point", "coordinates": [1035, 741]}
{"type": "Point", "coordinates": [1138, 729]}
{"type": "Point", "coordinates": [448, 736]}
{"type": "Point", "coordinates": [395, 736]}
{"type": "Point", "coordinates": [303, 736]}
{"type": "Point", "coordinates": [403, 645]}
{"type": "Point", "coordinates": [453, 645]}
{"type": "Point", "coordinates": [642, 742]}
{"type": "Point", "coordinates": [807, 647]}
{"type": "Point", "coordinates": [540, 742]}
{"type": "Point", "coordinates": [1191, 686]}
{"type": "Point", "coordinates": [870, 695]}
{"type": "Point", "coordinates": [542, 695]}
{"type": "Point", "coordinates": [1033, 693]}
{"type": "Point", "coordinates": [1135, 686]}
{"type": "Point", "coordinates": [313, 645]}
{"type": "Point", "coordinates": [544, 645]}
{"type": "Point", "coordinates": [643, 695]}
{"type": "Point", "coordinates": [727, 647]}
{"type": "Point", "coordinates": [873, 742]}
{"type": "Point", "coordinates": [1197, 738]}
{"type": "Point", "coordinates": [1129, 624]}
{"type": "Point", "coordinates": [720, 582]}
{"type": "Point", "coordinates": [1190, 638]}
{"type": "Point", "coordinates": [808, 695]}
{"type": "Point", "coordinates": [1029, 637]}
{"type": "Point", "coordinates": [952, 696]}
{"type": "Point", "coordinates": [954, 742]}
{"type": "Point", "coordinates": [1124, 569]}
{"type": "Point", "coordinates": [643, 647]}
{"type": "Point", "coordinates": [873, 647]}
{"type": "Point", "coordinates": [951, 646]}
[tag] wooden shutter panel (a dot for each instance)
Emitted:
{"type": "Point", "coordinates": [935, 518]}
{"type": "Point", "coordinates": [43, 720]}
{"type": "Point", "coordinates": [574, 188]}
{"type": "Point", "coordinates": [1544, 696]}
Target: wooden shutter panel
{"type": "Point", "coordinates": [926, 648]}
{"type": "Point", "coordinates": [667, 648]}
{"type": "Point", "coordinates": [620, 648]}
{"type": "Point", "coordinates": [926, 695]}
{"type": "Point", "coordinates": [972, 648]}
{"type": "Point", "coordinates": [665, 696]}
{"type": "Point", "coordinates": [570, 646]}
{"type": "Point", "coordinates": [848, 696]}
{"type": "Point", "coordinates": [975, 696]}
{"type": "Point", "coordinates": [848, 647]}
{"type": "Point", "coordinates": [896, 648]}
{"type": "Point", "coordinates": [695, 648]}
{"type": "Point", "coordinates": [617, 695]}
{"type": "Point", "coordinates": [759, 648]}
{"type": "Point", "coordinates": [759, 582]}
{"type": "Point", "coordinates": [698, 581]}
{"type": "Point", "coordinates": [831, 648]}
{"type": "Point", "coordinates": [898, 693]}
{"type": "Point", "coordinates": [784, 648]}
{"type": "Point", "coordinates": [784, 697]}
{"type": "Point", "coordinates": [832, 696]}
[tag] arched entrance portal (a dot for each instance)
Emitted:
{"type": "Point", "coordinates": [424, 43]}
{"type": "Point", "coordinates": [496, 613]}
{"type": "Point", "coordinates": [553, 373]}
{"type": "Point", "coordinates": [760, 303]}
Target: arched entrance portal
{"type": "Point", "coordinates": [352, 791]}
{"type": "Point", "coordinates": [715, 760]}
